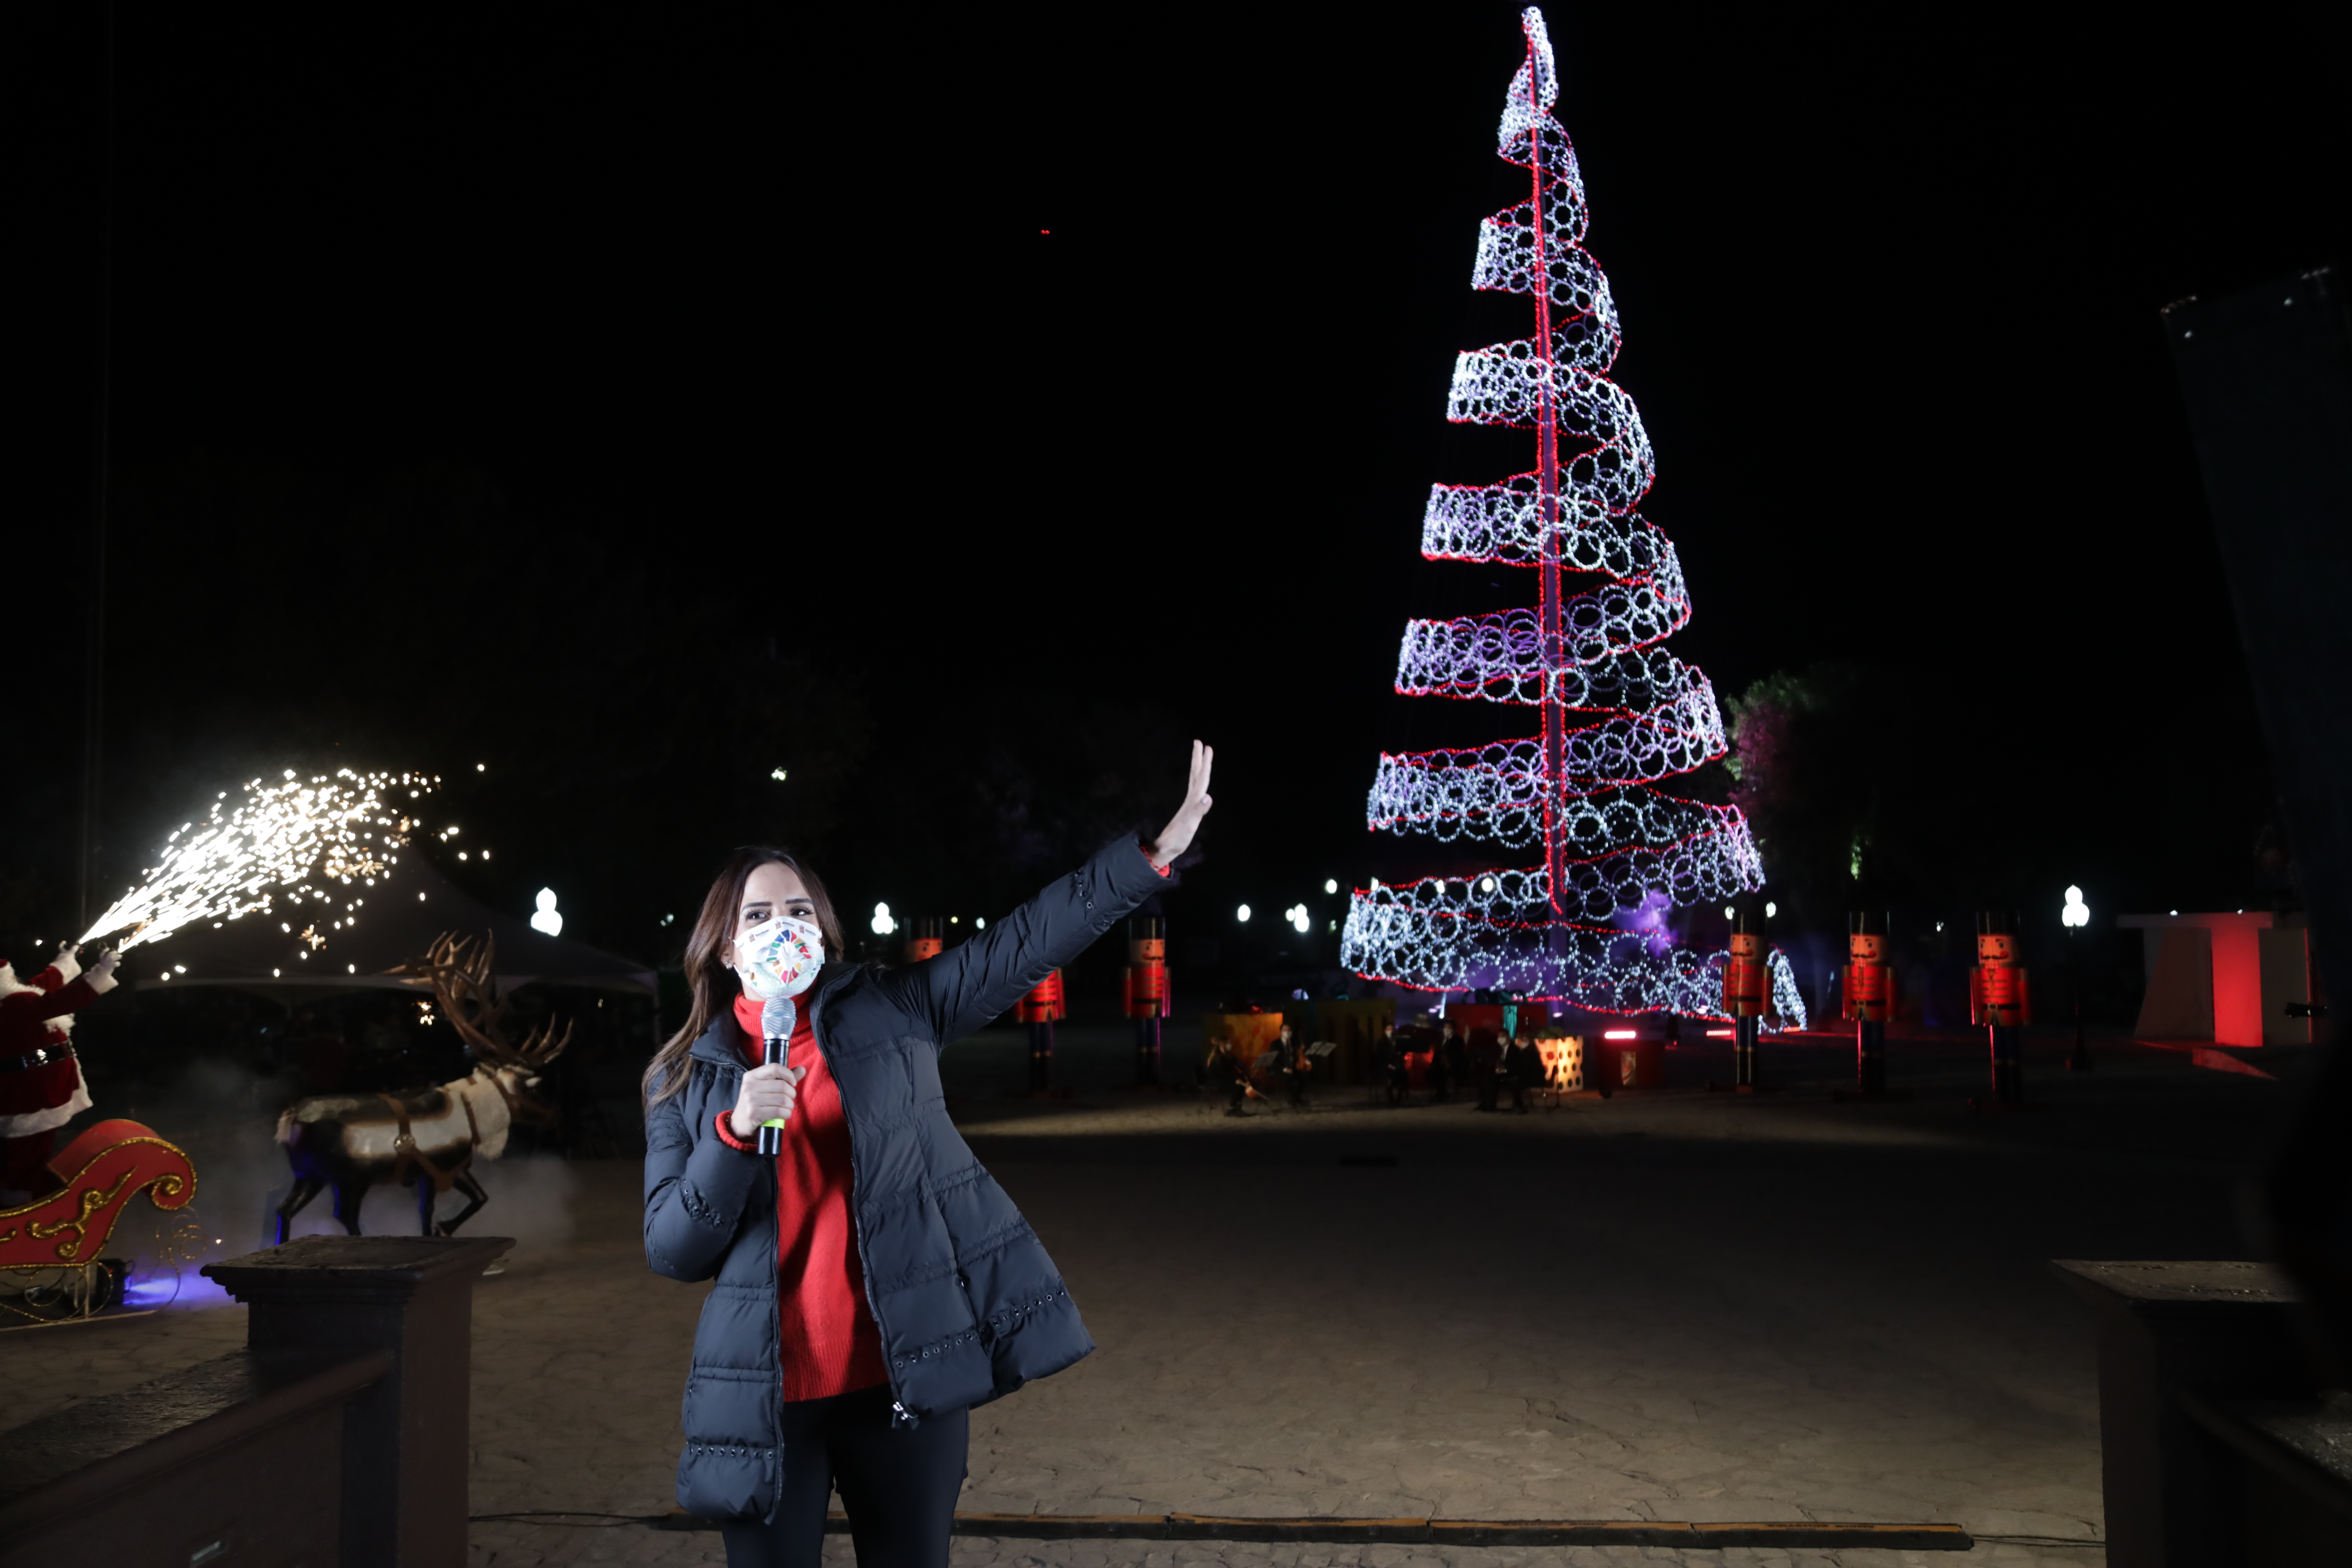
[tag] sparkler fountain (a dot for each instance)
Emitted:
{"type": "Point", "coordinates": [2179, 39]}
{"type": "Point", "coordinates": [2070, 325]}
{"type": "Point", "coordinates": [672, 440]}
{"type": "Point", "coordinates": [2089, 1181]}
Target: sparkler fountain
{"type": "Point", "coordinates": [313, 846]}
{"type": "Point", "coordinates": [1619, 712]}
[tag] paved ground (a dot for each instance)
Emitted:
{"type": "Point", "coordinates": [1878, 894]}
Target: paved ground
{"type": "Point", "coordinates": [1676, 1306]}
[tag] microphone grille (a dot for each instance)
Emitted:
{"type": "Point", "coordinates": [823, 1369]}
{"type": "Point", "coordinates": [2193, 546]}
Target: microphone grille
{"type": "Point", "coordinates": [777, 1017]}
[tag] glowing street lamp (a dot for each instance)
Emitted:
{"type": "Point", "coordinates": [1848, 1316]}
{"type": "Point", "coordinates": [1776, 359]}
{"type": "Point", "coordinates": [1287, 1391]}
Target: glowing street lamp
{"type": "Point", "coordinates": [2075, 915]}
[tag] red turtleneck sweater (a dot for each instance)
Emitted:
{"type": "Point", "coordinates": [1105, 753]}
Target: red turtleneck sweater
{"type": "Point", "coordinates": [828, 1340]}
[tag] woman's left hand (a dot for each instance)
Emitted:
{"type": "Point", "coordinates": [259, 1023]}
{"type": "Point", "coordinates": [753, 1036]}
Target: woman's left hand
{"type": "Point", "coordinates": [1177, 836]}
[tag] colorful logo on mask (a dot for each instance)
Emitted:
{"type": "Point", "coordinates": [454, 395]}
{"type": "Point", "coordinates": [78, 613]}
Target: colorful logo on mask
{"type": "Point", "coordinates": [781, 957]}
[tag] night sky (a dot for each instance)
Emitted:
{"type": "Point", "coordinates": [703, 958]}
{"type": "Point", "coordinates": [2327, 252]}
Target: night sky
{"type": "Point", "coordinates": [638, 400]}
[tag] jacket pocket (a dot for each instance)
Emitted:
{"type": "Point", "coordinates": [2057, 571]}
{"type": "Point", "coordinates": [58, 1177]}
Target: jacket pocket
{"type": "Point", "coordinates": [923, 1074]}
{"type": "Point", "coordinates": [727, 1480]}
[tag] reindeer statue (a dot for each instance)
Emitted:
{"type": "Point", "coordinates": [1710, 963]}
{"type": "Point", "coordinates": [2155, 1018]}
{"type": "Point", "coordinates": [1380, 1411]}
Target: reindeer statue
{"type": "Point", "coordinates": [425, 1137]}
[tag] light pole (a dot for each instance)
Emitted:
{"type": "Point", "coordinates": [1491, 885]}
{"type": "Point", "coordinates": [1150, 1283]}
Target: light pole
{"type": "Point", "coordinates": [2076, 914]}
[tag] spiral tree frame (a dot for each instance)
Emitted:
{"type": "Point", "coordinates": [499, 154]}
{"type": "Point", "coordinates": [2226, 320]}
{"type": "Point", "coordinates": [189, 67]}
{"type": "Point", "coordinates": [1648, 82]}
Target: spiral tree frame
{"type": "Point", "coordinates": [1619, 712]}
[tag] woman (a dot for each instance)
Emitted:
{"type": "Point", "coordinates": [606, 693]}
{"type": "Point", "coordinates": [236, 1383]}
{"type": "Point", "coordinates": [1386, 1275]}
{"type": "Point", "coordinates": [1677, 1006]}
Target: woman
{"type": "Point", "coordinates": [872, 1281]}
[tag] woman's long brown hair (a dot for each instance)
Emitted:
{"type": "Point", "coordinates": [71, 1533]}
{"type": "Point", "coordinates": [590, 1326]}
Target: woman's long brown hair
{"type": "Point", "coordinates": [714, 985]}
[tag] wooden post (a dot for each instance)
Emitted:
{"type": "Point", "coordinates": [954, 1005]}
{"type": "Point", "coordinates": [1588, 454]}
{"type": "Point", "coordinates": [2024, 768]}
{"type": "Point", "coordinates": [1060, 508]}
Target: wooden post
{"type": "Point", "coordinates": [407, 1442]}
{"type": "Point", "coordinates": [2166, 1330]}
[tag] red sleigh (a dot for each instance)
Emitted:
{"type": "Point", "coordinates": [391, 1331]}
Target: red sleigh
{"type": "Point", "coordinates": [104, 1168]}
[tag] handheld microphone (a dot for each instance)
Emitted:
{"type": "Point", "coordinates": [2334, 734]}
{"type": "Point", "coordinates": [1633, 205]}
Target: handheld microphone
{"type": "Point", "coordinates": [777, 1017]}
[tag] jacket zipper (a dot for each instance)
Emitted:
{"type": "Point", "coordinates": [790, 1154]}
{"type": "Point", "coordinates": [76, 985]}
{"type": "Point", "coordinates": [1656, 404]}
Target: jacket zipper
{"type": "Point", "coordinates": [899, 1413]}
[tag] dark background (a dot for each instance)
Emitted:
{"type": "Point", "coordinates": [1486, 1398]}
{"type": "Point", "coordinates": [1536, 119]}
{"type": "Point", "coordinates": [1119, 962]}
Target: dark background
{"type": "Point", "coordinates": [637, 401]}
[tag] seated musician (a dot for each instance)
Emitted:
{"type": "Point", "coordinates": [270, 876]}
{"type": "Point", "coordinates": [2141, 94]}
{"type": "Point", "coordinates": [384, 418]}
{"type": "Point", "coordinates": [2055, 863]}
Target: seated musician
{"type": "Point", "coordinates": [1393, 1064]}
{"type": "Point", "coordinates": [1522, 1068]}
{"type": "Point", "coordinates": [1225, 1074]}
{"type": "Point", "coordinates": [1441, 1059]}
{"type": "Point", "coordinates": [1486, 1067]}
{"type": "Point", "coordinates": [1287, 1068]}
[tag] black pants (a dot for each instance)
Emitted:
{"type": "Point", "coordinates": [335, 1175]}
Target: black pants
{"type": "Point", "coordinates": [898, 1488]}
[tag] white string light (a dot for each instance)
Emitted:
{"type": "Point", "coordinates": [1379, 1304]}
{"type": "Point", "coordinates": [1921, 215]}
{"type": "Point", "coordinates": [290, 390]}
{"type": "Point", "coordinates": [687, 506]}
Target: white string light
{"type": "Point", "coordinates": [1458, 934]}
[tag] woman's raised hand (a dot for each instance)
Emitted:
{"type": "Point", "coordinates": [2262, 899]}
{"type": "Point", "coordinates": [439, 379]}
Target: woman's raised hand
{"type": "Point", "coordinates": [767, 1095]}
{"type": "Point", "coordinates": [1177, 836]}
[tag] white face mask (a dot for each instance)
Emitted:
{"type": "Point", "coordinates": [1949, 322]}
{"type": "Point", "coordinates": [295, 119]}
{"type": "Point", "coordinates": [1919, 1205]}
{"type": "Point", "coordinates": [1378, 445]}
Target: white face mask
{"type": "Point", "coordinates": [779, 957]}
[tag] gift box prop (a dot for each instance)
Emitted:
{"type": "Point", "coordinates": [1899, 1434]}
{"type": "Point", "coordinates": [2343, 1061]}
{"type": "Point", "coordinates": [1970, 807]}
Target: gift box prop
{"type": "Point", "coordinates": [53, 1248]}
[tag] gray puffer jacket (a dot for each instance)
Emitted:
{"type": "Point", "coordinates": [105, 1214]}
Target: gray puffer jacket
{"type": "Point", "coordinates": [969, 1305]}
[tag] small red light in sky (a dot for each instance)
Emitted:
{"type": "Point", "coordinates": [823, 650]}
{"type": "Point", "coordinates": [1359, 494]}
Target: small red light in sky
{"type": "Point", "coordinates": [1620, 1034]}
{"type": "Point", "coordinates": [1044, 231]}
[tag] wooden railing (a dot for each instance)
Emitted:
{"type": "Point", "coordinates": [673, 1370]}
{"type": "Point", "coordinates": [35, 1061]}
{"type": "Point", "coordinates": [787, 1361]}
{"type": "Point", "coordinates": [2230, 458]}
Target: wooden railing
{"type": "Point", "coordinates": [337, 1435]}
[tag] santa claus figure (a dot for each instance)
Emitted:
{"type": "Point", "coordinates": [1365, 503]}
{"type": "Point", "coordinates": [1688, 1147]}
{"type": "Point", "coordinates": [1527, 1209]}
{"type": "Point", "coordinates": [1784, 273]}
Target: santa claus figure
{"type": "Point", "coordinates": [41, 1087]}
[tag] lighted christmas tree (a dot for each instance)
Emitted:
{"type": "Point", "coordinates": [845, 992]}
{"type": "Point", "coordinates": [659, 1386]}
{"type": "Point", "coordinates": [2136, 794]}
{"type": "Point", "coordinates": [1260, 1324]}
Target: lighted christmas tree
{"type": "Point", "coordinates": [1619, 712]}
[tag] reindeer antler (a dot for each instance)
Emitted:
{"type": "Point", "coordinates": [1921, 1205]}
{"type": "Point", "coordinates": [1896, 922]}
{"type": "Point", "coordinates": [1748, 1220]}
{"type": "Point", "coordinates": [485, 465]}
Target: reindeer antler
{"type": "Point", "coordinates": [459, 972]}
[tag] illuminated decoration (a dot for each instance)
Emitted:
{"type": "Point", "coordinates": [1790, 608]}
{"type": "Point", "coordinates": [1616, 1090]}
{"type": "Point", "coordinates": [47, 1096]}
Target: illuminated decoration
{"type": "Point", "coordinates": [1619, 712]}
{"type": "Point", "coordinates": [545, 918]}
{"type": "Point", "coordinates": [315, 847]}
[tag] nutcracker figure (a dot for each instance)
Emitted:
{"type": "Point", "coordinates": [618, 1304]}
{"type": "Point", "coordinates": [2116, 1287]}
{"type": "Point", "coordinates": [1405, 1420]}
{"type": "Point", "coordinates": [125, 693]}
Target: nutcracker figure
{"type": "Point", "coordinates": [1147, 992]}
{"type": "Point", "coordinates": [1869, 997]}
{"type": "Point", "coordinates": [1747, 992]}
{"type": "Point", "coordinates": [925, 938]}
{"type": "Point", "coordinates": [1039, 1009]}
{"type": "Point", "coordinates": [41, 1086]}
{"type": "Point", "coordinates": [1998, 998]}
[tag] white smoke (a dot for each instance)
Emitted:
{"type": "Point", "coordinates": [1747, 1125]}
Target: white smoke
{"type": "Point", "coordinates": [225, 1117]}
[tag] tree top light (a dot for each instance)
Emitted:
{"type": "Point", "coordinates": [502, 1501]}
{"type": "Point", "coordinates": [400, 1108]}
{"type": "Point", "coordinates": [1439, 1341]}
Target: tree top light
{"type": "Point", "coordinates": [2077, 912]}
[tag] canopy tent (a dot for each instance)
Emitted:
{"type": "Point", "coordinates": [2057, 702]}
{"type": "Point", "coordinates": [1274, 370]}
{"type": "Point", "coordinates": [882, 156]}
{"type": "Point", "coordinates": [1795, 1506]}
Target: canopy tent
{"type": "Point", "coordinates": [398, 920]}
